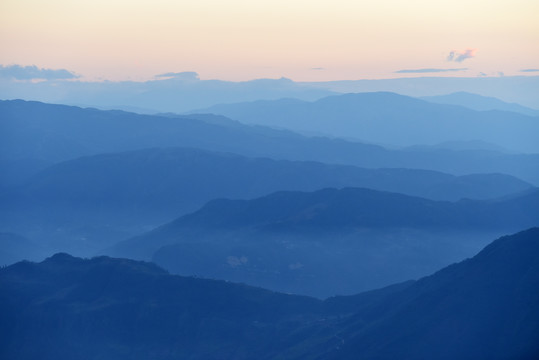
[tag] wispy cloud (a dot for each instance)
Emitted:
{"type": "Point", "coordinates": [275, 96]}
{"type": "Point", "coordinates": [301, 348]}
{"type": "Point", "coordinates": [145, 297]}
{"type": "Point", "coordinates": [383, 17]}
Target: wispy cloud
{"type": "Point", "coordinates": [186, 76]}
{"type": "Point", "coordinates": [421, 71]}
{"type": "Point", "coordinates": [460, 56]}
{"type": "Point", "coordinates": [18, 72]}
{"type": "Point", "coordinates": [529, 70]}
{"type": "Point", "coordinates": [318, 68]}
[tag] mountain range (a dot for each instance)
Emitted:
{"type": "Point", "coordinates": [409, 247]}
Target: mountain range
{"type": "Point", "coordinates": [388, 118]}
{"type": "Point", "coordinates": [480, 103]}
{"type": "Point", "coordinates": [183, 91]}
{"type": "Point", "coordinates": [329, 241]}
{"type": "Point", "coordinates": [36, 134]}
{"type": "Point", "coordinates": [512, 89]}
{"type": "Point", "coordinates": [339, 222]}
{"type": "Point", "coordinates": [485, 307]}
{"type": "Point", "coordinates": [144, 188]}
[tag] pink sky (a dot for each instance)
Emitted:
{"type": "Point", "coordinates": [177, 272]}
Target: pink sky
{"type": "Point", "coordinates": [240, 40]}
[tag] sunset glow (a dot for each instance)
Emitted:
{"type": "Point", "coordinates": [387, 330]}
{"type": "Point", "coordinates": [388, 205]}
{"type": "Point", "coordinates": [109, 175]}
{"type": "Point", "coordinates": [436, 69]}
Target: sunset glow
{"type": "Point", "coordinates": [239, 40]}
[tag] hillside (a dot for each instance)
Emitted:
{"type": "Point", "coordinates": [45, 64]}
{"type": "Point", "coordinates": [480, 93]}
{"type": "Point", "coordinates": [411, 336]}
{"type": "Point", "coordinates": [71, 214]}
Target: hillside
{"type": "Point", "coordinates": [330, 241]}
{"type": "Point", "coordinates": [482, 308]}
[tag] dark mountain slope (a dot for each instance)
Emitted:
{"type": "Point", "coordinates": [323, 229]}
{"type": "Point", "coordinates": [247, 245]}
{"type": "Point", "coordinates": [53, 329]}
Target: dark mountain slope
{"type": "Point", "coordinates": [52, 133]}
{"type": "Point", "coordinates": [389, 118]}
{"type": "Point", "coordinates": [486, 307]}
{"type": "Point", "coordinates": [66, 308]}
{"type": "Point", "coordinates": [483, 308]}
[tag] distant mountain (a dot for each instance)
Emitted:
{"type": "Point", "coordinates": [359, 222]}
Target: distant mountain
{"type": "Point", "coordinates": [53, 133]}
{"type": "Point", "coordinates": [330, 241]}
{"type": "Point", "coordinates": [513, 89]}
{"type": "Point", "coordinates": [86, 204]}
{"type": "Point", "coordinates": [480, 103]}
{"type": "Point", "coordinates": [178, 92]}
{"type": "Point", "coordinates": [171, 174]}
{"type": "Point", "coordinates": [64, 308]}
{"type": "Point", "coordinates": [172, 92]}
{"type": "Point", "coordinates": [389, 118]}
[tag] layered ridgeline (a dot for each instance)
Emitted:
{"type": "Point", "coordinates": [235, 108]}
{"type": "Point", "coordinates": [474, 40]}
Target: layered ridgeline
{"type": "Point", "coordinates": [330, 241]}
{"type": "Point", "coordinates": [389, 118]}
{"type": "Point", "coordinates": [486, 307]}
{"type": "Point", "coordinates": [94, 200]}
{"type": "Point", "coordinates": [34, 133]}
{"type": "Point", "coordinates": [480, 103]}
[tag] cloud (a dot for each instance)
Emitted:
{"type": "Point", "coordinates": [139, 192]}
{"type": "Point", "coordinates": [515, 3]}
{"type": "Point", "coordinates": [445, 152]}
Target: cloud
{"type": "Point", "coordinates": [34, 73]}
{"type": "Point", "coordinates": [529, 70]}
{"type": "Point", "coordinates": [459, 56]}
{"type": "Point", "coordinates": [185, 76]}
{"type": "Point", "coordinates": [318, 68]}
{"type": "Point", "coordinates": [420, 71]}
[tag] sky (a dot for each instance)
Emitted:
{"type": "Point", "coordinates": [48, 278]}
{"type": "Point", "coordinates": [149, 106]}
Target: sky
{"type": "Point", "coordinates": [236, 40]}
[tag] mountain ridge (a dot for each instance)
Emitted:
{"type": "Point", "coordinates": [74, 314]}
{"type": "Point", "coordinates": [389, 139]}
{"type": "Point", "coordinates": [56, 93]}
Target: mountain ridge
{"type": "Point", "coordinates": [329, 241]}
{"type": "Point", "coordinates": [480, 103]}
{"type": "Point", "coordinates": [482, 308]}
{"type": "Point", "coordinates": [99, 199]}
{"type": "Point", "coordinates": [52, 133]}
{"type": "Point", "coordinates": [368, 116]}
